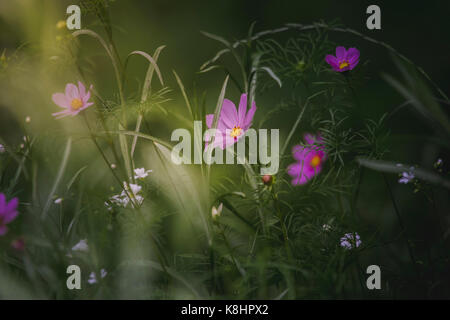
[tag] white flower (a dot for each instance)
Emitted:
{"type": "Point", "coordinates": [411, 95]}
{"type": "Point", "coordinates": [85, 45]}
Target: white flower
{"type": "Point", "coordinates": [135, 199]}
{"type": "Point", "coordinates": [81, 246]}
{"type": "Point", "coordinates": [2, 148]}
{"type": "Point", "coordinates": [135, 188]}
{"type": "Point", "coordinates": [215, 212]}
{"type": "Point", "coordinates": [141, 173]}
{"type": "Point", "coordinates": [59, 200]}
{"type": "Point", "coordinates": [28, 119]}
{"type": "Point", "coordinates": [130, 191]}
{"type": "Point", "coordinates": [326, 227]}
{"type": "Point", "coordinates": [93, 277]}
{"type": "Point", "coordinates": [407, 177]}
{"type": "Point", "coordinates": [113, 166]}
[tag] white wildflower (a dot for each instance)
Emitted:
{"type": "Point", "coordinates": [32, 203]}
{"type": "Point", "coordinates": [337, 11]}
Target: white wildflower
{"type": "Point", "coordinates": [141, 173]}
{"type": "Point", "coordinates": [81, 246]}
{"type": "Point", "coordinates": [216, 212]}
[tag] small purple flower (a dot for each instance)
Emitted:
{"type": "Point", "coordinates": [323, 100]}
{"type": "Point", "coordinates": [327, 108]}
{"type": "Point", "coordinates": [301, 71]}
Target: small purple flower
{"type": "Point", "coordinates": [350, 241]}
{"type": "Point", "coordinates": [8, 212]}
{"type": "Point", "coordinates": [344, 60]}
{"type": "Point", "coordinates": [407, 176]}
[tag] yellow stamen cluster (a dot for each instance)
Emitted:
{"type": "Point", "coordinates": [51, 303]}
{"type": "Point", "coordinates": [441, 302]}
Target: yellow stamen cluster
{"type": "Point", "coordinates": [344, 64]}
{"type": "Point", "coordinates": [236, 132]}
{"type": "Point", "coordinates": [76, 104]}
{"type": "Point", "coordinates": [61, 24]}
{"type": "Point", "coordinates": [315, 161]}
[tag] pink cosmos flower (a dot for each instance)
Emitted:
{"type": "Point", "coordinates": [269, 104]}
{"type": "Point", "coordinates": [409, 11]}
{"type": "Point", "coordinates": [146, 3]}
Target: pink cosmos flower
{"type": "Point", "coordinates": [8, 212]}
{"type": "Point", "coordinates": [232, 123]}
{"type": "Point", "coordinates": [310, 159]}
{"type": "Point", "coordinates": [73, 101]}
{"type": "Point", "coordinates": [345, 59]}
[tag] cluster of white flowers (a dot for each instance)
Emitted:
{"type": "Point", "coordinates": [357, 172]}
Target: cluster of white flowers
{"type": "Point", "coordinates": [130, 194]}
{"type": "Point", "coordinates": [93, 277]}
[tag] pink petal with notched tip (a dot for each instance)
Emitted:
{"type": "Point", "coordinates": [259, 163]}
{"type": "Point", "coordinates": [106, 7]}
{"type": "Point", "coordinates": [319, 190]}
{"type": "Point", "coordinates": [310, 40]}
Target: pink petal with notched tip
{"type": "Point", "coordinates": [332, 61]}
{"type": "Point", "coordinates": [228, 114]}
{"type": "Point", "coordinates": [352, 55]}
{"type": "Point", "coordinates": [85, 106]}
{"type": "Point", "coordinates": [242, 110]}
{"type": "Point", "coordinates": [12, 204]}
{"type": "Point", "coordinates": [340, 53]}
{"type": "Point", "coordinates": [81, 90]}
{"type": "Point", "coordinates": [72, 92]}
{"type": "Point", "coordinates": [10, 216]}
{"type": "Point", "coordinates": [297, 172]}
{"type": "Point", "coordinates": [309, 138]}
{"type": "Point", "coordinates": [353, 64]}
{"type": "Point", "coordinates": [249, 117]}
{"type": "Point", "coordinates": [209, 120]}
{"type": "Point", "coordinates": [61, 100]}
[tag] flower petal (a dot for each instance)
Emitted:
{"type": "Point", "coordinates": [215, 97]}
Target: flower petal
{"type": "Point", "coordinates": [209, 120]}
{"type": "Point", "coordinates": [61, 100]}
{"type": "Point", "coordinates": [72, 91]}
{"type": "Point", "coordinates": [352, 54]}
{"type": "Point", "coordinates": [81, 90]}
{"type": "Point", "coordinates": [242, 110]}
{"type": "Point", "coordinates": [332, 61]}
{"type": "Point", "coordinates": [249, 117]}
{"type": "Point", "coordinates": [62, 113]}
{"type": "Point", "coordinates": [309, 138]}
{"type": "Point", "coordinates": [296, 171]}
{"type": "Point", "coordinates": [228, 114]}
{"type": "Point", "coordinates": [340, 53]}
{"type": "Point", "coordinates": [353, 64]}
{"type": "Point", "coordinates": [10, 216]}
{"type": "Point", "coordinates": [12, 204]}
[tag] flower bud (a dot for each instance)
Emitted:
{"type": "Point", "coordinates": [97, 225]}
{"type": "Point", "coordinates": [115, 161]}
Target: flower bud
{"type": "Point", "coordinates": [215, 212]}
{"type": "Point", "coordinates": [267, 179]}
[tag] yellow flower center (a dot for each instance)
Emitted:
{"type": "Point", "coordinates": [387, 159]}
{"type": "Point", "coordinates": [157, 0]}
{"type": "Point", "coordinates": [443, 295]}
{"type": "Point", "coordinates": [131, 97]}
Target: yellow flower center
{"type": "Point", "coordinates": [236, 132]}
{"type": "Point", "coordinates": [344, 64]}
{"type": "Point", "coordinates": [61, 24]}
{"type": "Point", "coordinates": [315, 161]}
{"type": "Point", "coordinates": [76, 104]}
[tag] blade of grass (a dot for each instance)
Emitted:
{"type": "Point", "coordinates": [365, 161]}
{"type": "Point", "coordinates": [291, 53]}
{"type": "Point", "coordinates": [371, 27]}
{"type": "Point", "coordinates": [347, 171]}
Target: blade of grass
{"type": "Point", "coordinates": [62, 168]}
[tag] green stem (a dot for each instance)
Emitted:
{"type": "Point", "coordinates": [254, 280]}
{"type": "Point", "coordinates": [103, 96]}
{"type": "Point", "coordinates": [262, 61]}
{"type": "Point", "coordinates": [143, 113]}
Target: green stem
{"type": "Point", "coordinates": [400, 222]}
{"type": "Point", "coordinates": [283, 225]}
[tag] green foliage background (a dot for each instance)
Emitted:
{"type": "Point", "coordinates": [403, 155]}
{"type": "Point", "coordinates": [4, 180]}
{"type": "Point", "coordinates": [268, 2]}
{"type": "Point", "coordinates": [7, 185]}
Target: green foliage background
{"type": "Point", "coordinates": [269, 242]}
